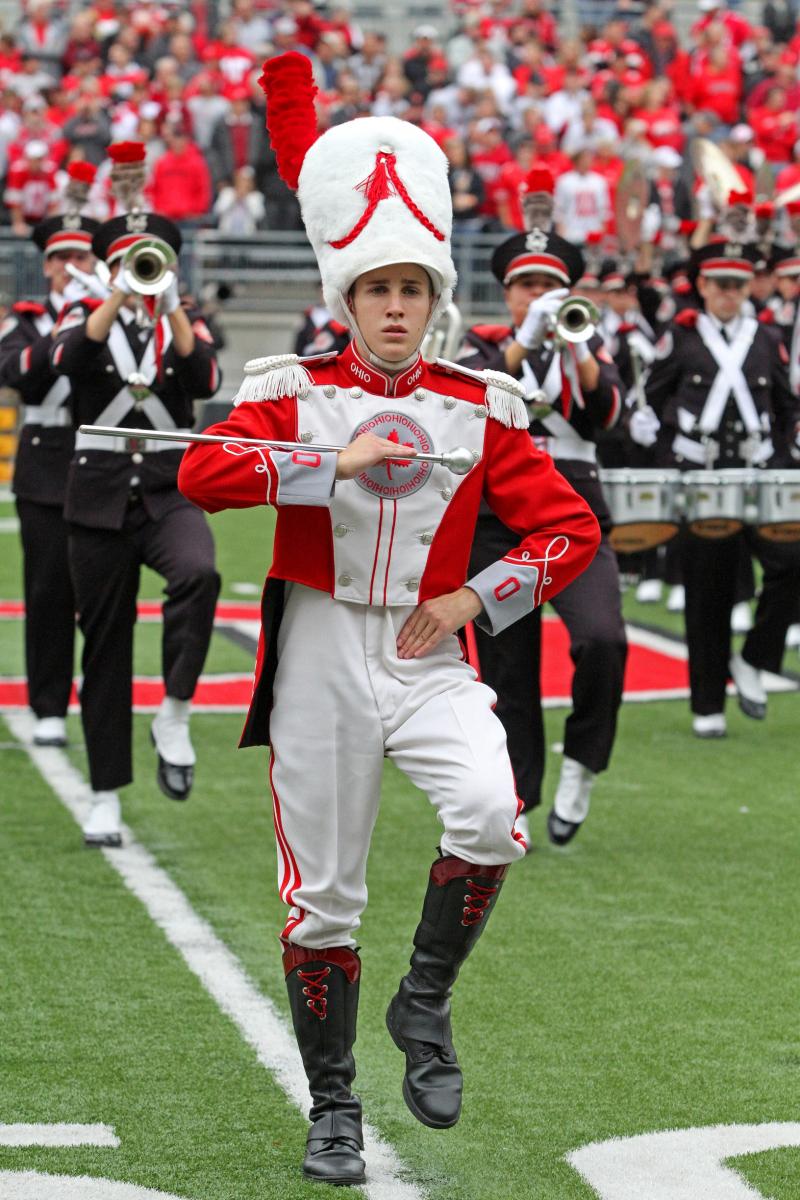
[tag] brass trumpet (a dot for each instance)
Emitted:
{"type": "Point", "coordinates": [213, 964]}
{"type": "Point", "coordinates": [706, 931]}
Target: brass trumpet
{"type": "Point", "coordinates": [149, 267]}
{"type": "Point", "coordinates": [576, 320]}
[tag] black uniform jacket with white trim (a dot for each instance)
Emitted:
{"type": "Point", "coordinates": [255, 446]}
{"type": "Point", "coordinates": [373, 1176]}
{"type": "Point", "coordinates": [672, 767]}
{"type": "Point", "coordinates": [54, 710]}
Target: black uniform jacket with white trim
{"type": "Point", "coordinates": [484, 348]}
{"type": "Point", "coordinates": [47, 438]}
{"type": "Point", "coordinates": [100, 480]}
{"type": "Point", "coordinates": [682, 378]}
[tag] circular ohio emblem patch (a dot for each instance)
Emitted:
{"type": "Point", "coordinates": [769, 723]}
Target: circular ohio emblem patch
{"type": "Point", "coordinates": [395, 477]}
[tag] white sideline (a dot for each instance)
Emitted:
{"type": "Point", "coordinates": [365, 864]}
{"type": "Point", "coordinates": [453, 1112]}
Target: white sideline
{"type": "Point", "coordinates": [219, 971]}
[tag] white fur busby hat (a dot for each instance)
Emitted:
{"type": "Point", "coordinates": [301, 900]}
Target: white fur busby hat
{"type": "Point", "coordinates": [372, 191]}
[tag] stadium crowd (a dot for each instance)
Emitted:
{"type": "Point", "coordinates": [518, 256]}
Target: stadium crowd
{"type": "Point", "coordinates": [497, 84]}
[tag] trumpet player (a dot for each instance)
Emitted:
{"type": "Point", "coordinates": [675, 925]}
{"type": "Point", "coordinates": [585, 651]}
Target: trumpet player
{"type": "Point", "coordinates": [43, 454]}
{"type": "Point", "coordinates": [138, 361]}
{"type": "Point", "coordinates": [573, 392]}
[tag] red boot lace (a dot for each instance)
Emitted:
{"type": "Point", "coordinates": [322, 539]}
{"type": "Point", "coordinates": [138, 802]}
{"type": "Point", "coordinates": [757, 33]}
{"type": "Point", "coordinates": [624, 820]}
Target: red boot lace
{"type": "Point", "coordinates": [477, 901]}
{"type": "Point", "coordinates": [316, 990]}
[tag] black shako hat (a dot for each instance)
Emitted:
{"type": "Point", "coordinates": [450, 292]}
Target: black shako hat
{"type": "Point", "coordinates": [68, 231]}
{"type": "Point", "coordinates": [544, 253]}
{"type": "Point", "coordinates": [724, 259]}
{"type": "Point", "coordinates": [115, 237]}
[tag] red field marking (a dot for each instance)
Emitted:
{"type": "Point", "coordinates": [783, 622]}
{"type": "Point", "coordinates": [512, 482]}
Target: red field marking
{"type": "Point", "coordinates": [215, 693]}
{"type": "Point", "coordinates": [652, 672]}
{"type": "Point", "coordinates": [649, 672]}
{"type": "Point", "coordinates": [150, 610]}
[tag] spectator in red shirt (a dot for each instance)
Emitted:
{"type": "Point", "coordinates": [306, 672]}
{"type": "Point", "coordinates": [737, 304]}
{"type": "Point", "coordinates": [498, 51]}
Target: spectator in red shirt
{"type": "Point", "coordinates": [234, 61]}
{"type": "Point", "coordinates": [489, 153]}
{"type": "Point", "coordinates": [538, 23]}
{"type": "Point", "coordinates": [737, 29]}
{"type": "Point", "coordinates": [718, 86]}
{"type": "Point", "coordinates": [507, 189]}
{"type": "Point", "coordinates": [36, 128]}
{"type": "Point", "coordinates": [662, 118]}
{"type": "Point", "coordinates": [31, 188]}
{"type": "Point", "coordinates": [180, 187]}
{"type": "Point", "coordinates": [10, 57]}
{"type": "Point", "coordinates": [775, 127]}
{"type": "Point", "coordinates": [82, 40]}
{"type": "Point", "coordinates": [784, 76]}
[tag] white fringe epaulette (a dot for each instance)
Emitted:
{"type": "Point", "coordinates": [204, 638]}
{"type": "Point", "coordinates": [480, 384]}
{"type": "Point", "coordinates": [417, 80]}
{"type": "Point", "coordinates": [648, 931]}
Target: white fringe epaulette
{"type": "Point", "coordinates": [273, 377]}
{"type": "Point", "coordinates": [505, 395]}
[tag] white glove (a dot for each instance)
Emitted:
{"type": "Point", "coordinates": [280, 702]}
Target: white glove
{"type": "Point", "coordinates": [644, 425]}
{"type": "Point", "coordinates": [651, 222]}
{"type": "Point", "coordinates": [170, 300]}
{"type": "Point", "coordinates": [639, 344]}
{"type": "Point", "coordinates": [537, 322]}
{"type": "Point", "coordinates": [120, 283]}
{"type": "Point", "coordinates": [84, 283]}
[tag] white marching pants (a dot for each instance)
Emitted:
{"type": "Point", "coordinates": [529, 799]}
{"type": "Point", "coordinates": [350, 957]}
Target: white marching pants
{"type": "Point", "coordinates": [343, 701]}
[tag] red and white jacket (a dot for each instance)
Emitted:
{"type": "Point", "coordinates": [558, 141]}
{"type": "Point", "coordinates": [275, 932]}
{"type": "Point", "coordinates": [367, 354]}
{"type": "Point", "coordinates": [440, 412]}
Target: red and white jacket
{"type": "Point", "coordinates": [401, 532]}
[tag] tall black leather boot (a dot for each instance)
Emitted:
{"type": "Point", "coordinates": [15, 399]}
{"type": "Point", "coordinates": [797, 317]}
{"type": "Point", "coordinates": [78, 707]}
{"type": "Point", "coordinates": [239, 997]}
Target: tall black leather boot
{"type": "Point", "coordinates": [323, 996]}
{"type": "Point", "coordinates": [458, 901]}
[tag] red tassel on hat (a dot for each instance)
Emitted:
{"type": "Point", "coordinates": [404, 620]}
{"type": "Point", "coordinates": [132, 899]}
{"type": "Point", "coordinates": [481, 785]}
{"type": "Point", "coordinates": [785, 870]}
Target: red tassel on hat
{"type": "Point", "coordinates": [287, 82]}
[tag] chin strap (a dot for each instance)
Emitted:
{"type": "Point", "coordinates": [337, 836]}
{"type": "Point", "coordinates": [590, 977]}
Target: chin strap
{"type": "Point", "coordinates": [383, 364]}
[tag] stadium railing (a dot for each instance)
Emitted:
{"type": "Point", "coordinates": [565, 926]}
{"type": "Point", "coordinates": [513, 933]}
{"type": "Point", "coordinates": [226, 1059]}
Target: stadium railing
{"type": "Point", "coordinates": [272, 272]}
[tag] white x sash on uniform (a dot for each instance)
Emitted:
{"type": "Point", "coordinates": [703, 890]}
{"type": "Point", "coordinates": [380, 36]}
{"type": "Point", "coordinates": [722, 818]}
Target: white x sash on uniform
{"type": "Point", "coordinates": [57, 394]}
{"type": "Point", "coordinates": [126, 364]}
{"type": "Point", "coordinates": [729, 357]}
{"type": "Point", "coordinates": [550, 386]}
{"type": "Point", "coordinates": [564, 440]}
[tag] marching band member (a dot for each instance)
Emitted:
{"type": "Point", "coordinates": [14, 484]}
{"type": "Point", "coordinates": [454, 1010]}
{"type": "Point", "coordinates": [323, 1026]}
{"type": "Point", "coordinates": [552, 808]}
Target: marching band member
{"type": "Point", "coordinates": [719, 396]}
{"type": "Point", "coordinates": [45, 448]}
{"type": "Point", "coordinates": [367, 590]}
{"type": "Point", "coordinates": [133, 368]}
{"type": "Point", "coordinates": [572, 395]}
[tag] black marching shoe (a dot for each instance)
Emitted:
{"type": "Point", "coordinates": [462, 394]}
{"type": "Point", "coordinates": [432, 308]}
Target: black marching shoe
{"type": "Point", "coordinates": [174, 781]}
{"type": "Point", "coordinates": [170, 736]}
{"type": "Point", "coordinates": [323, 996]}
{"type": "Point", "coordinates": [459, 898]}
{"type": "Point", "coordinates": [560, 831]}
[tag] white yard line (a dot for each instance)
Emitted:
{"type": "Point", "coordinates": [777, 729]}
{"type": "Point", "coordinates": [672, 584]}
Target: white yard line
{"type": "Point", "coordinates": [58, 1135]}
{"type": "Point", "coordinates": [219, 971]}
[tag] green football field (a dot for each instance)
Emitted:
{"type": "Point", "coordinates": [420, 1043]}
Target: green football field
{"type": "Point", "coordinates": [644, 979]}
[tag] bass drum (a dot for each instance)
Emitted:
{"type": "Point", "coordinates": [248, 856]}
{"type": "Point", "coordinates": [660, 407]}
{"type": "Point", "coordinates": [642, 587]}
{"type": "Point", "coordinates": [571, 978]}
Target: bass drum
{"type": "Point", "coordinates": [645, 506]}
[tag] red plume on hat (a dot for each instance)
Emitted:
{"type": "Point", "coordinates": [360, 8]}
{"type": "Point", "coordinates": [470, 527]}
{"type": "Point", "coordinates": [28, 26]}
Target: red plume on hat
{"type": "Point", "coordinates": [288, 85]}
{"type": "Point", "coordinates": [539, 179]}
{"type": "Point", "coordinates": [81, 177]}
{"type": "Point", "coordinates": [127, 172]}
{"type": "Point", "coordinates": [127, 152]}
{"type": "Point", "coordinates": [536, 192]}
{"type": "Point", "coordinates": [743, 195]}
{"type": "Point", "coordinates": [82, 172]}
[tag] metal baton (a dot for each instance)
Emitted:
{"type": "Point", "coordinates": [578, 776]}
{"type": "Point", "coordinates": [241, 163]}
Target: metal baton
{"type": "Point", "coordinates": [459, 460]}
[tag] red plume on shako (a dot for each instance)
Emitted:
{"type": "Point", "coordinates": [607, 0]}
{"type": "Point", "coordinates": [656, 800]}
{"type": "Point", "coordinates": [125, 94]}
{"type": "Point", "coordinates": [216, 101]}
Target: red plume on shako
{"type": "Point", "coordinates": [373, 193]}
